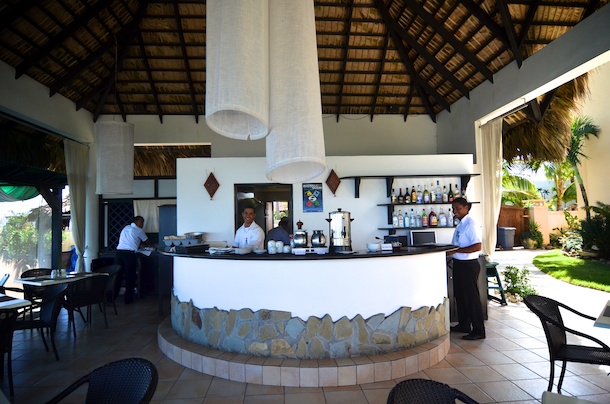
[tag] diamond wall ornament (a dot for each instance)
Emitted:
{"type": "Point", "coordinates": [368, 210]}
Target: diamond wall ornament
{"type": "Point", "coordinates": [211, 185]}
{"type": "Point", "coordinates": [333, 181]}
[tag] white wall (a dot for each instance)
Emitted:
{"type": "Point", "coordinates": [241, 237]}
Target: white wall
{"type": "Point", "coordinates": [595, 169]}
{"type": "Point", "coordinates": [197, 212]}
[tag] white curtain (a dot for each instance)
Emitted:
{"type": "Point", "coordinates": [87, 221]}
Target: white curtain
{"type": "Point", "coordinates": [149, 210]}
{"type": "Point", "coordinates": [491, 140]}
{"type": "Point", "coordinates": [77, 157]}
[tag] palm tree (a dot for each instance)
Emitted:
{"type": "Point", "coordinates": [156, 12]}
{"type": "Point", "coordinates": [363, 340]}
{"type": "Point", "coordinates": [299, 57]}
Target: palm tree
{"type": "Point", "coordinates": [561, 174]}
{"type": "Point", "coordinates": [581, 127]}
{"type": "Point", "coordinates": [517, 189]}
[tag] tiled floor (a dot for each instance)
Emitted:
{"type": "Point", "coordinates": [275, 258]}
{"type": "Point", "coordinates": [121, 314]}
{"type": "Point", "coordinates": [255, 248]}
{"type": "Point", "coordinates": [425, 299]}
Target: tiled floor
{"type": "Point", "coordinates": [509, 366]}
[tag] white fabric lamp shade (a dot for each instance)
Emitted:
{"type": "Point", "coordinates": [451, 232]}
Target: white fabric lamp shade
{"type": "Point", "coordinates": [237, 68]}
{"type": "Point", "coordinates": [114, 155]}
{"type": "Point", "coordinates": [295, 144]}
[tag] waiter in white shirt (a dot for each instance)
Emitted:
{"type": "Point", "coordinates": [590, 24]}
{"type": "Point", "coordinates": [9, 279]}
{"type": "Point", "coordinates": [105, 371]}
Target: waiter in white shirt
{"type": "Point", "coordinates": [249, 233]}
{"type": "Point", "coordinates": [130, 239]}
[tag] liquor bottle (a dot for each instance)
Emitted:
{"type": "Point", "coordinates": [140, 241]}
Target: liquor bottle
{"type": "Point", "coordinates": [407, 197]}
{"type": "Point", "coordinates": [401, 219]}
{"type": "Point", "coordinates": [449, 218]}
{"type": "Point", "coordinates": [424, 218]}
{"type": "Point", "coordinates": [432, 193]}
{"type": "Point", "coordinates": [450, 194]}
{"type": "Point", "coordinates": [456, 193]}
{"type": "Point", "coordinates": [426, 194]}
{"type": "Point", "coordinates": [418, 222]}
{"type": "Point", "coordinates": [442, 219]}
{"type": "Point", "coordinates": [394, 219]}
{"type": "Point", "coordinates": [406, 219]}
{"type": "Point", "coordinates": [432, 218]}
{"type": "Point", "coordinates": [413, 194]}
{"type": "Point", "coordinates": [420, 195]}
{"type": "Point", "coordinates": [445, 195]}
{"type": "Point", "coordinates": [438, 192]}
{"type": "Point", "coordinates": [412, 219]}
{"type": "Point", "coordinates": [393, 198]}
{"type": "Point", "coordinates": [401, 197]}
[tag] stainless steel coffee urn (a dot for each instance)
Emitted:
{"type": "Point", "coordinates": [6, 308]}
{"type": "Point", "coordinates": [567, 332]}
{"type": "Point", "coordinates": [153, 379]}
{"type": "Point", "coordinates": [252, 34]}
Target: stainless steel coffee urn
{"type": "Point", "coordinates": [340, 231]}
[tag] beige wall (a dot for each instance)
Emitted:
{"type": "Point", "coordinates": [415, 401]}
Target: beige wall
{"type": "Point", "coordinates": [595, 168]}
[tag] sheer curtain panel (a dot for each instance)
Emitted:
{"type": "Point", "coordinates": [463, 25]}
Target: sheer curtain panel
{"type": "Point", "coordinates": [491, 141]}
{"type": "Point", "coordinates": [77, 156]}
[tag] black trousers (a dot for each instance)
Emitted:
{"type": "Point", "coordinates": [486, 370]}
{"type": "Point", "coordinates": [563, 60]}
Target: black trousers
{"type": "Point", "coordinates": [128, 260]}
{"type": "Point", "coordinates": [467, 297]}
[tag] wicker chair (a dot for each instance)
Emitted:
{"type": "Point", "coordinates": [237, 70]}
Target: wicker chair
{"type": "Point", "coordinates": [7, 325]}
{"type": "Point", "coordinates": [131, 380]}
{"type": "Point", "coordinates": [49, 311]}
{"type": "Point", "coordinates": [34, 293]}
{"type": "Point", "coordinates": [424, 391]}
{"type": "Point", "coordinates": [112, 271]}
{"type": "Point", "coordinates": [548, 311]}
{"type": "Point", "coordinates": [85, 293]}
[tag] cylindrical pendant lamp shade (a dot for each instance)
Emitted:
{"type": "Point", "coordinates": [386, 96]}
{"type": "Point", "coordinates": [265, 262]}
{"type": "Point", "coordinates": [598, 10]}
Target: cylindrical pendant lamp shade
{"type": "Point", "coordinates": [295, 144]}
{"type": "Point", "coordinates": [237, 68]}
{"type": "Point", "coordinates": [114, 155]}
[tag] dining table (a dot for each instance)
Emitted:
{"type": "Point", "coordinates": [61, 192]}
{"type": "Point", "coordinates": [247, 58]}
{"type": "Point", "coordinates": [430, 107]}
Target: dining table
{"type": "Point", "coordinates": [48, 280]}
{"type": "Point", "coordinates": [9, 302]}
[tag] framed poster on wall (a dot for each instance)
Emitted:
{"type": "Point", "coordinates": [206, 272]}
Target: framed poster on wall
{"type": "Point", "coordinates": [312, 198]}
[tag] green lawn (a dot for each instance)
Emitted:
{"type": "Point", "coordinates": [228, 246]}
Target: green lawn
{"type": "Point", "coordinates": [587, 273]}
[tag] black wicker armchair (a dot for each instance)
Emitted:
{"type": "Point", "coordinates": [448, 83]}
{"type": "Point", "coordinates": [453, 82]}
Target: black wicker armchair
{"type": "Point", "coordinates": [548, 311]}
{"type": "Point", "coordinates": [131, 380]}
{"type": "Point", "coordinates": [424, 391]}
{"type": "Point", "coordinates": [7, 325]}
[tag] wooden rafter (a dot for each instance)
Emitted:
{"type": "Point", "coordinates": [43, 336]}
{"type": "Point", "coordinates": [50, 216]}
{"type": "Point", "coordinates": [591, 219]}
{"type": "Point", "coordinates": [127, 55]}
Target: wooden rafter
{"type": "Point", "coordinates": [510, 30]}
{"type": "Point", "coordinates": [379, 74]}
{"type": "Point", "coordinates": [346, 31]}
{"type": "Point", "coordinates": [186, 60]}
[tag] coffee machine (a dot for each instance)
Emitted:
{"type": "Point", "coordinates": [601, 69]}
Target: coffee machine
{"type": "Point", "coordinates": [339, 231]}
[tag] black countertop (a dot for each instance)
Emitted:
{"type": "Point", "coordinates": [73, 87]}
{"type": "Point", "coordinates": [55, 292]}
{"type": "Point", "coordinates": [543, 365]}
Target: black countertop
{"type": "Point", "coordinates": [292, 257]}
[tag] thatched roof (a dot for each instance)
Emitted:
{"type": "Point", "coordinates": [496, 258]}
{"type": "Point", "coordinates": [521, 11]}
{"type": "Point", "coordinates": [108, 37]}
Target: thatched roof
{"type": "Point", "coordinates": [375, 56]}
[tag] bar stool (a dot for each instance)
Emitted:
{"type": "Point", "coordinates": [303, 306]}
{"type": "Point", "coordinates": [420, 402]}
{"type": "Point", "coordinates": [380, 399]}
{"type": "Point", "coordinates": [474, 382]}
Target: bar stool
{"type": "Point", "coordinates": [494, 282]}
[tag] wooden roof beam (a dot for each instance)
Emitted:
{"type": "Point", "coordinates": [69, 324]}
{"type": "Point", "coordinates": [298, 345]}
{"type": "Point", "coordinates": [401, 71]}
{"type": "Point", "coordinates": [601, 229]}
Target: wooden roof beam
{"type": "Point", "coordinates": [65, 33]}
{"type": "Point", "coordinates": [378, 75]}
{"type": "Point", "coordinates": [451, 39]}
{"type": "Point", "coordinates": [150, 76]}
{"type": "Point", "coordinates": [510, 31]}
{"type": "Point", "coordinates": [482, 16]}
{"type": "Point", "coordinates": [397, 33]}
{"type": "Point", "coordinates": [348, 26]}
{"type": "Point", "coordinates": [186, 59]}
{"type": "Point", "coordinates": [125, 32]}
{"type": "Point", "coordinates": [14, 13]}
{"type": "Point", "coordinates": [527, 23]}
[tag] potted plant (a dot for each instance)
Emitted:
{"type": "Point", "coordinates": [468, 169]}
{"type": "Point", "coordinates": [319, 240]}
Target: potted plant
{"type": "Point", "coordinates": [532, 238]}
{"type": "Point", "coordinates": [517, 283]}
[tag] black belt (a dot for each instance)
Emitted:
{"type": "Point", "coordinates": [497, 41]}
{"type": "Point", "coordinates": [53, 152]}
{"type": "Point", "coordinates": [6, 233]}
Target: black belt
{"type": "Point", "coordinates": [131, 251]}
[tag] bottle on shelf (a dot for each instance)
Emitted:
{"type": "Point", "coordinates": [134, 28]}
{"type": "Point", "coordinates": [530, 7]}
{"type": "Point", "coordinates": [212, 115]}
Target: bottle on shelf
{"type": "Point", "coordinates": [445, 194]}
{"type": "Point", "coordinates": [418, 222]}
{"type": "Point", "coordinates": [412, 219]}
{"type": "Point", "coordinates": [401, 198]}
{"type": "Point", "coordinates": [449, 218]}
{"type": "Point", "coordinates": [456, 193]}
{"type": "Point", "coordinates": [394, 219]}
{"type": "Point", "coordinates": [420, 195]}
{"type": "Point", "coordinates": [424, 218]}
{"type": "Point", "coordinates": [450, 194]}
{"type": "Point", "coordinates": [413, 194]}
{"type": "Point", "coordinates": [426, 197]}
{"type": "Point", "coordinates": [406, 219]}
{"type": "Point", "coordinates": [393, 197]}
{"type": "Point", "coordinates": [438, 192]}
{"type": "Point", "coordinates": [432, 193]}
{"type": "Point", "coordinates": [432, 218]}
{"type": "Point", "coordinates": [407, 197]}
{"type": "Point", "coordinates": [442, 219]}
{"type": "Point", "coordinates": [401, 219]}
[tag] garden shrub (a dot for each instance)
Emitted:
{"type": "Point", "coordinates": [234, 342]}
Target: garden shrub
{"type": "Point", "coordinates": [595, 231]}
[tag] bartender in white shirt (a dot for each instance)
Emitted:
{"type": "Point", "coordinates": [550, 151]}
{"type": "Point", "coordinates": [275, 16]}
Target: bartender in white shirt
{"type": "Point", "coordinates": [249, 233]}
{"type": "Point", "coordinates": [130, 239]}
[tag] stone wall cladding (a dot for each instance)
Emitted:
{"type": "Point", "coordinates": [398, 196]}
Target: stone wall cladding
{"type": "Point", "coordinates": [277, 334]}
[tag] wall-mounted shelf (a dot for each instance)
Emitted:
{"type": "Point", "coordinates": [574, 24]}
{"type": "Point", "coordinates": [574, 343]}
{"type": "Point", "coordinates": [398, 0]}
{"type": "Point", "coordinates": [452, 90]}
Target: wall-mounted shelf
{"type": "Point", "coordinates": [389, 179]}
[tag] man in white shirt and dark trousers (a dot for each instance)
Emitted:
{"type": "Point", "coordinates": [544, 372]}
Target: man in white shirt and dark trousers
{"type": "Point", "coordinates": [130, 239]}
{"type": "Point", "coordinates": [468, 238]}
{"type": "Point", "coordinates": [249, 233]}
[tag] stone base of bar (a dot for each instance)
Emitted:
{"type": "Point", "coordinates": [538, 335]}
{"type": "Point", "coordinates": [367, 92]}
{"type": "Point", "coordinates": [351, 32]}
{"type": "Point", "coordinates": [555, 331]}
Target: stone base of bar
{"type": "Point", "coordinates": [300, 372]}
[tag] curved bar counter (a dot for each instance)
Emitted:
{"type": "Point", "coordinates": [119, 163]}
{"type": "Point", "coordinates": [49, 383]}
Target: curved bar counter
{"type": "Point", "coordinates": [313, 307]}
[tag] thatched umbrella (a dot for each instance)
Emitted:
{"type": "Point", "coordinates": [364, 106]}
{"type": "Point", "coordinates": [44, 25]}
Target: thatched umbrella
{"type": "Point", "coordinates": [548, 137]}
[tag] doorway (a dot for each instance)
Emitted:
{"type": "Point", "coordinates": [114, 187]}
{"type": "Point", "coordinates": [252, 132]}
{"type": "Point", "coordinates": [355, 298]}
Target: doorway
{"type": "Point", "coordinates": [271, 202]}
